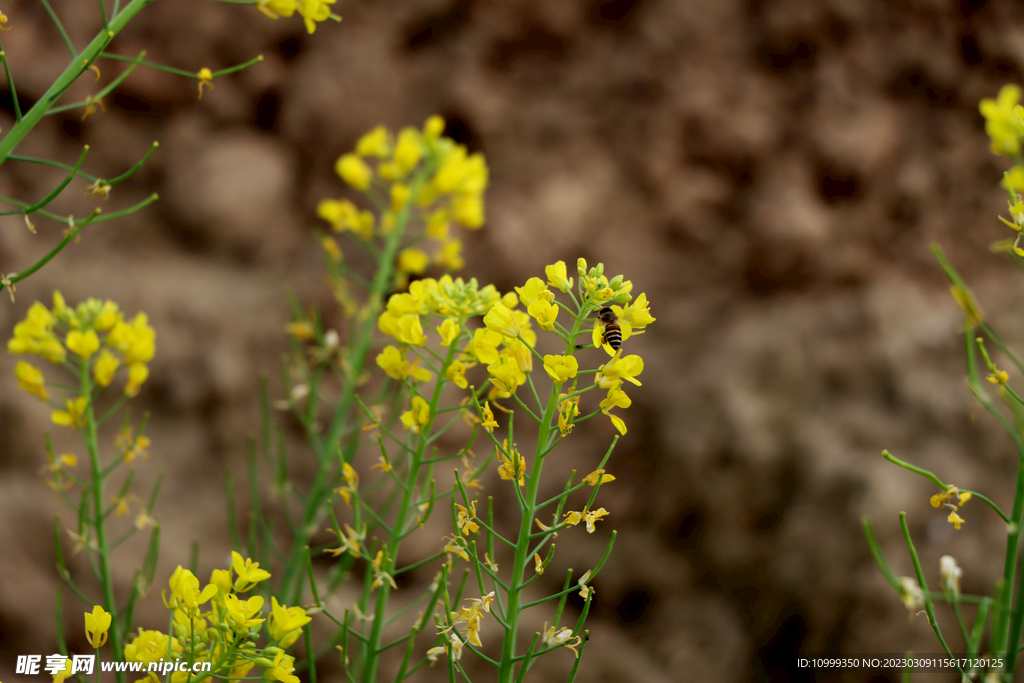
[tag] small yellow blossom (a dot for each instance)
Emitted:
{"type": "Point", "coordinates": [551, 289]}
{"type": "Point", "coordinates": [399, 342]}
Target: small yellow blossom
{"type": "Point", "coordinates": [30, 378]}
{"type": "Point", "coordinates": [568, 409]}
{"type": "Point", "coordinates": [598, 476]}
{"type": "Point", "coordinates": [488, 423]}
{"type": "Point", "coordinates": [589, 516]}
{"type": "Point", "coordinates": [456, 374]}
{"type": "Point", "coordinates": [1000, 377]}
{"type": "Point", "coordinates": [285, 623]}
{"type": "Point", "coordinates": [277, 8]}
{"type": "Point", "coordinates": [534, 290]}
{"type": "Point", "coordinates": [205, 77]}
{"type": "Point", "coordinates": [97, 623]}
{"type": "Point", "coordinates": [538, 563]}
{"type": "Point", "coordinates": [417, 416]}
{"type": "Point", "coordinates": [506, 375]}
{"type": "Point", "coordinates": [248, 573]}
{"type": "Point", "coordinates": [1004, 121]}
{"type": "Point", "coordinates": [501, 320]}
{"type": "Point", "coordinates": [513, 465]}
{"type": "Point", "coordinates": [465, 519]}
{"type": "Point", "coordinates": [544, 313]}
{"type": "Point", "coordinates": [354, 171]}
{"type": "Point", "coordinates": [82, 344]}
{"type": "Point", "coordinates": [379, 574]}
{"type": "Point", "coordinates": [413, 261]}
{"type": "Point", "coordinates": [561, 368]}
{"type": "Point", "coordinates": [449, 331]}
{"type": "Point", "coordinates": [557, 276]}
{"type": "Point", "coordinates": [74, 416]}
{"type": "Point", "coordinates": [376, 143]}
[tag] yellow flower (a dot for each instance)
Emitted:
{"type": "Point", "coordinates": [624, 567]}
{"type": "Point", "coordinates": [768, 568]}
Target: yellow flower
{"type": "Point", "coordinates": [30, 378]}
{"type": "Point", "coordinates": [276, 8]}
{"type": "Point", "coordinates": [106, 318]}
{"type": "Point", "coordinates": [544, 313]}
{"type": "Point", "coordinates": [97, 623]}
{"type": "Point", "coordinates": [221, 578]}
{"type": "Point", "coordinates": [1003, 121]}
{"type": "Point", "coordinates": [393, 362]}
{"type": "Point", "coordinates": [343, 215]}
{"type": "Point", "coordinates": [468, 210]}
{"type": "Point", "coordinates": [590, 517]}
{"type": "Point", "coordinates": [137, 375]}
{"type": "Point", "coordinates": [244, 613]}
{"type": "Point", "coordinates": [437, 225]}
{"type": "Point", "coordinates": [62, 674]}
{"type": "Point", "coordinates": [484, 345]}
{"type": "Point", "coordinates": [561, 368]}
{"type": "Point", "coordinates": [74, 416]}
{"type": "Point", "coordinates": [354, 171]}
{"type": "Point", "coordinates": [614, 371]}
{"type": "Point", "coordinates": [408, 150]}
{"type": "Point", "coordinates": [449, 331]}
{"type": "Point", "coordinates": [247, 571]}
{"type": "Point", "coordinates": [568, 409]}
{"type": "Point", "coordinates": [513, 466]}
{"type": "Point", "coordinates": [456, 373]}
{"type": "Point", "coordinates": [955, 519]}
{"type": "Point", "coordinates": [433, 127]}
{"type": "Point", "coordinates": [81, 344]}
{"type": "Point", "coordinates": [185, 593]}
{"type": "Point", "coordinates": [150, 646]}
{"type": "Point", "coordinates": [280, 669]}
{"type": "Point", "coordinates": [538, 563]}
{"type": "Point", "coordinates": [417, 416]}
{"type": "Point", "coordinates": [380, 575]}
{"type": "Point", "coordinates": [313, 11]}
{"type": "Point", "coordinates": [506, 375]}
{"type": "Point", "coordinates": [450, 257]}
{"type": "Point", "coordinates": [501, 320]}
{"type": "Point", "coordinates": [489, 423]}
{"type": "Point", "coordinates": [413, 261]}
{"type": "Point", "coordinates": [331, 248]}
{"type": "Point", "coordinates": [534, 290]}
{"type": "Point", "coordinates": [598, 477]}
{"type": "Point", "coordinates": [557, 276]}
{"type": "Point", "coordinates": [465, 519]}
{"type": "Point", "coordinates": [376, 143]}
{"type": "Point", "coordinates": [637, 313]}
{"type": "Point", "coordinates": [205, 76]}
{"type": "Point", "coordinates": [285, 623]}
{"type": "Point", "coordinates": [410, 331]}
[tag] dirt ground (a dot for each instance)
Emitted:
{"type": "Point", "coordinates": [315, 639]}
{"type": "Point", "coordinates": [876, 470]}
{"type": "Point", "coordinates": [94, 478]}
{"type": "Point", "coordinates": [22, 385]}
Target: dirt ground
{"type": "Point", "coordinates": [771, 174]}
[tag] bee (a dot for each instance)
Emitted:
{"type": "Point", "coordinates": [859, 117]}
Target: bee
{"type": "Point", "coordinates": [612, 334]}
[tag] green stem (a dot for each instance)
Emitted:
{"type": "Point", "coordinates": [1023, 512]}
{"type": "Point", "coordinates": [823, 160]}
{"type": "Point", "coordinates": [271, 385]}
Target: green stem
{"type": "Point", "coordinates": [99, 523]}
{"type": "Point", "coordinates": [404, 509]}
{"type": "Point", "coordinates": [506, 670]}
{"type": "Point", "coordinates": [74, 69]}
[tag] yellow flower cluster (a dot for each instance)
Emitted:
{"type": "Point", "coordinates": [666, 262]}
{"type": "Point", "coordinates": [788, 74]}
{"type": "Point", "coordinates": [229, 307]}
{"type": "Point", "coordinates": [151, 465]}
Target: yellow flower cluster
{"type": "Point", "coordinates": [96, 334]}
{"type": "Point", "coordinates": [311, 11]}
{"type": "Point", "coordinates": [418, 173]}
{"type": "Point", "coordinates": [214, 634]}
{"type": "Point", "coordinates": [1004, 121]}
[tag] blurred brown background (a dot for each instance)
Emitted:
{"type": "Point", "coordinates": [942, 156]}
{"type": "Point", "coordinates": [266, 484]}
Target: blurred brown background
{"type": "Point", "coordinates": [771, 174]}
